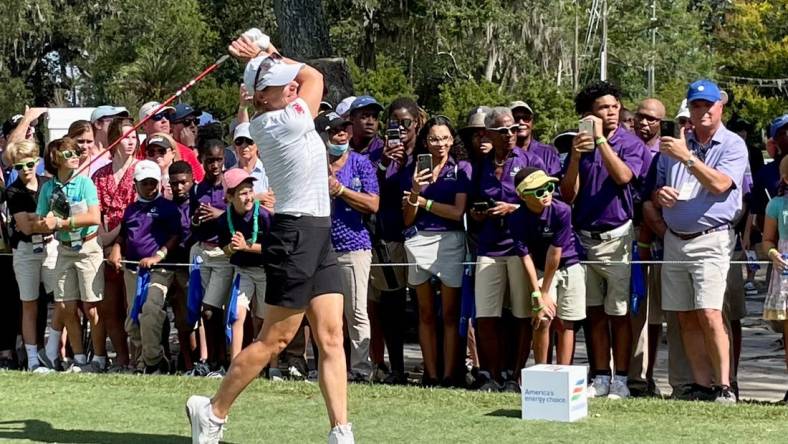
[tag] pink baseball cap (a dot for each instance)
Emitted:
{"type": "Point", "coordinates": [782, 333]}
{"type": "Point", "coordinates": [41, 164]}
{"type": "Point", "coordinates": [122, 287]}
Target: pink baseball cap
{"type": "Point", "coordinates": [234, 177]}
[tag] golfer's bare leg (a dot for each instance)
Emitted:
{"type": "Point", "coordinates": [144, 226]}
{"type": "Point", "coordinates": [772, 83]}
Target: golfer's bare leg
{"type": "Point", "coordinates": [278, 329]}
{"type": "Point", "coordinates": [325, 318]}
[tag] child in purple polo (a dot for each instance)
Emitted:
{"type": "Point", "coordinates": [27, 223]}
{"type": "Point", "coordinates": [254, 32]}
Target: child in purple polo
{"type": "Point", "coordinates": [544, 239]}
{"type": "Point", "coordinates": [241, 230]}
{"type": "Point", "coordinates": [150, 229]}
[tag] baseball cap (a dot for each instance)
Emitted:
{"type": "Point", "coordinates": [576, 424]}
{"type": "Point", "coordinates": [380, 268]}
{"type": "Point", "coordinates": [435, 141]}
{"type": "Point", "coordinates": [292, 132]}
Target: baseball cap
{"type": "Point", "coordinates": [147, 169]}
{"type": "Point", "coordinates": [476, 118]}
{"type": "Point", "coordinates": [158, 141]}
{"type": "Point", "coordinates": [108, 111]}
{"type": "Point", "coordinates": [520, 104]}
{"type": "Point", "coordinates": [563, 141]}
{"type": "Point", "coordinates": [775, 126]}
{"type": "Point", "coordinates": [683, 110]}
{"type": "Point", "coordinates": [234, 177]}
{"type": "Point", "coordinates": [344, 106]}
{"type": "Point", "coordinates": [327, 121]}
{"type": "Point", "coordinates": [703, 90]}
{"type": "Point", "coordinates": [533, 179]}
{"type": "Point", "coordinates": [276, 73]}
{"type": "Point", "coordinates": [206, 118]}
{"type": "Point", "coordinates": [183, 111]}
{"type": "Point", "coordinates": [242, 130]}
{"type": "Point", "coordinates": [10, 124]}
{"type": "Point", "coordinates": [364, 102]}
{"type": "Point", "coordinates": [326, 106]}
{"type": "Point", "coordinates": [152, 106]}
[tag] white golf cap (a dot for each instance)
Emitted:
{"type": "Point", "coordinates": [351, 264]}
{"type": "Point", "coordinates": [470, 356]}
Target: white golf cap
{"type": "Point", "coordinates": [683, 110]}
{"type": "Point", "coordinates": [151, 107]}
{"type": "Point", "coordinates": [108, 111]}
{"type": "Point", "coordinates": [242, 130]}
{"type": "Point", "coordinates": [147, 169]}
{"type": "Point", "coordinates": [344, 106]}
{"type": "Point", "coordinates": [277, 73]}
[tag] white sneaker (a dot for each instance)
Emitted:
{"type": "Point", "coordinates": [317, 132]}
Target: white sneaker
{"type": "Point", "coordinates": [204, 429]}
{"type": "Point", "coordinates": [618, 388]}
{"type": "Point", "coordinates": [341, 434]}
{"type": "Point", "coordinates": [599, 387]}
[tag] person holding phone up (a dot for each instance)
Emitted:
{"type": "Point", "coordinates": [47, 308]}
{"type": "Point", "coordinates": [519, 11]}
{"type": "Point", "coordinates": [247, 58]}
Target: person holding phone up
{"type": "Point", "coordinates": [499, 267]}
{"type": "Point", "coordinates": [435, 190]}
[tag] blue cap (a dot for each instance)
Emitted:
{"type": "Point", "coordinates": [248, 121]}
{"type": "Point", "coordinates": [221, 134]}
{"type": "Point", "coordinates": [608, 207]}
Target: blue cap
{"type": "Point", "coordinates": [183, 111]}
{"type": "Point", "coordinates": [364, 102]}
{"type": "Point", "coordinates": [206, 118]}
{"type": "Point", "coordinates": [703, 90]}
{"type": "Point", "coordinates": [776, 124]}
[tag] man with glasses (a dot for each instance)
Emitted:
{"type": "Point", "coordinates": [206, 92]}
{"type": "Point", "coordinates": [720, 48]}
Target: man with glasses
{"type": "Point", "coordinates": [184, 124]}
{"type": "Point", "coordinates": [364, 113]}
{"type": "Point", "coordinates": [246, 151]}
{"type": "Point", "coordinates": [605, 159]}
{"type": "Point", "coordinates": [524, 116]}
{"type": "Point", "coordinates": [160, 123]}
{"type": "Point", "coordinates": [100, 119]}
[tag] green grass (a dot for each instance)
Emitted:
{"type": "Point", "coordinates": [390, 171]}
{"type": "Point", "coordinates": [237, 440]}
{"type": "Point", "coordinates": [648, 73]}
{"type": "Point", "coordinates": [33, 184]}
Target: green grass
{"type": "Point", "coordinates": [141, 409]}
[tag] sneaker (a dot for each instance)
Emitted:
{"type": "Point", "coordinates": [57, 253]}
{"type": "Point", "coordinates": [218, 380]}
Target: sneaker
{"type": "Point", "coordinates": [618, 388]}
{"type": "Point", "coordinates": [162, 368]}
{"type": "Point", "coordinates": [380, 372]}
{"type": "Point", "coordinates": [294, 373]}
{"type": "Point", "coordinates": [42, 370]}
{"type": "Point", "coordinates": [697, 392]}
{"type": "Point", "coordinates": [90, 367]}
{"type": "Point", "coordinates": [652, 390]}
{"type": "Point", "coordinates": [200, 369]}
{"type": "Point", "coordinates": [510, 387]}
{"type": "Point", "coordinates": [217, 374]}
{"type": "Point", "coordinates": [600, 387]}
{"type": "Point", "coordinates": [750, 288]}
{"type": "Point", "coordinates": [48, 363]}
{"type": "Point", "coordinates": [341, 434]}
{"type": "Point", "coordinates": [7, 363]}
{"type": "Point", "coordinates": [274, 374]}
{"type": "Point", "coordinates": [204, 429]}
{"type": "Point", "coordinates": [396, 377]}
{"type": "Point", "coordinates": [724, 395]}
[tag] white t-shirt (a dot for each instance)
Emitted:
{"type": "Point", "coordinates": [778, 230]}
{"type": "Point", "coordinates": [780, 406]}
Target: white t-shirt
{"type": "Point", "coordinates": [295, 160]}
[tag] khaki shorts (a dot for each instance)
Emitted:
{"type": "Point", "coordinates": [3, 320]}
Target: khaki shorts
{"type": "Point", "coordinates": [701, 284]}
{"type": "Point", "coordinates": [494, 275]}
{"type": "Point", "coordinates": [608, 285]}
{"type": "Point", "coordinates": [568, 290]}
{"type": "Point", "coordinates": [79, 275]}
{"type": "Point", "coordinates": [216, 275]}
{"type": "Point", "coordinates": [33, 269]}
{"type": "Point", "coordinates": [251, 292]}
{"type": "Point", "coordinates": [377, 275]}
{"type": "Point", "coordinates": [735, 304]}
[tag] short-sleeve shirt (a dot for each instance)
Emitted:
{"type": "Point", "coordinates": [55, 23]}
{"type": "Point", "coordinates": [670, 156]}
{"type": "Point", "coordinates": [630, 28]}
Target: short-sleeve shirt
{"type": "Point", "coordinates": [535, 233]}
{"type": "Point", "coordinates": [186, 154]}
{"type": "Point", "coordinates": [601, 204]}
{"type": "Point", "coordinates": [777, 208]}
{"type": "Point", "coordinates": [549, 156]}
{"type": "Point", "coordinates": [389, 222]}
{"type": "Point", "coordinates": [78, 189]}
{"type": "Point", "coordinates": [295, 159]}
{"type": "Point", "coordinates": [258, 172]}
{"type": "Point", "coordinates": [114, 197]}
{"type": "Point", "coordinates": [21, 199]}
{"type": "Point", "coordinates": [494, 237]}
{"type": "Point", "coordinates": [244, 225]}
{"type": "Point", "coordinates": [453, 179]}
{"type": "Point", "coordinates": [348, 230]}
{"type": "Point", "coordinates": [702, 210]}
{"type": "Point", "coordinates": [147, 226]}
{"type": "Point", "coordinates": [181, 253]}
{"type": "Point", "coordinates": [213, 195]}
{"type": "Point", "coordinates": [373, 150]}
{"type": "Point", "coordinates": [766, 185]}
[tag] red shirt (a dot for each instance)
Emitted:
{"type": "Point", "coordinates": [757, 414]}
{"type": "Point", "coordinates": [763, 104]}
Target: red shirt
{"type": "Point", "coordinates": [114, 197]}
{"type": "Point", "coordinates": [186, 155]}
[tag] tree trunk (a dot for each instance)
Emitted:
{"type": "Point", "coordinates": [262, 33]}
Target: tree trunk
{"type": "Point", "coordinates": [336, 76]}
{"type": "Point", "coordinates": [303, 31]}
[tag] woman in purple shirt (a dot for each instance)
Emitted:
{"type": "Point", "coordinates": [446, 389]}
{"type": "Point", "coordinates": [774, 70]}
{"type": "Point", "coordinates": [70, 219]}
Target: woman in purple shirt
{"type": "Point", "coordinates": [434, 202]}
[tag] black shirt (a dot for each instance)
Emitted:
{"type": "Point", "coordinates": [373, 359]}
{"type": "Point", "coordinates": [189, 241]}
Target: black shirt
{"type": "Point", "coordinates": [21, 199]}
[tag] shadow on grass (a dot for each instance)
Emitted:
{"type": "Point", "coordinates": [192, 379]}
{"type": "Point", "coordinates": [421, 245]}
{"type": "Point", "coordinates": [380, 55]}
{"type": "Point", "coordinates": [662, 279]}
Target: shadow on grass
{"type": "Point", "coordinates": [506, 413]}
{"type": "Point", "coordinates": [40, 431]}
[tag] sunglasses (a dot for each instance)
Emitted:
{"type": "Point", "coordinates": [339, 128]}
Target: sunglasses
{"type": "Point", "coordinates": [241, 141]}
{"type": "Point", "coordinates": [542, 192]}
{"type": "Point", "coordinates": [158, 151]}
{"type": "Point", "coordinates": [439, 140]}
{"type": "Point", "coordinates": [188, 122]}
{"type": "Point", "coordinates": [405, 123]}
{"type": "Point", "coordinates": [266, 66]}
{"type": "Point", "coordinates": [26, 165]}
{"type": "Point", "coordinates": [505, 130]}
{"type": "Point", "coordinates": [160, 116]}
{"type": "Point", "coordinates": [68, 154]}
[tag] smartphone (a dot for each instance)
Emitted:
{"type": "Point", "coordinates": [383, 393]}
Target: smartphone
{"type": "Point", "coordinates": [667, 128]}
{"type": "Point", "coordinates": [424, 162]}
{"type": "Point", "coordinates": [586, 126]}
{"type": "Point", "coordinates": [480, 207]}
{"type": "Point", "coordinates": [392, 134]}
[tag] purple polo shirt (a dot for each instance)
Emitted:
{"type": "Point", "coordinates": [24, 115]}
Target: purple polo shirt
{"type": "Point", "coordinates": [388, 221]}
{"type": "Point", "coordinates": [766, 185]}
{"type": "Point", "coordinates": [209, 194]}
{"type": "Point", "coordinates": [348, 230]}
{"type": "Point", "coordinates": [727, 154]}
{"type": "Point", "coordinates": [494, 237]}
{"type": "Point", "coordinates": [147, 226]}
{"type": "Point", "coordinates": [373, 151]}
{"type": "Point", "coordinates": [181, 253]}
{"type": "Point", "coordinates": [244, 225]}
{"type": "Point", "coordinates": [454, 178]}
{"type": "Point", "coordinates": [535, 233]}
{"type": "Point", "coordinates": [549, 156]}
{"type": "Point", "coordinates": [601, 204]}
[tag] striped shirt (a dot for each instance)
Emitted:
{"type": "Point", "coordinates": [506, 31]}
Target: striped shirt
{"type": "Point", "coordinates": [295, 160]}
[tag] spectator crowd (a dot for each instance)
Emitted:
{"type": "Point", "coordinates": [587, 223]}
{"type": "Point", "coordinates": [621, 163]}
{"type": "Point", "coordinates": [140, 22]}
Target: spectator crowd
{"type": "Point", "coordinates": [508, 247]}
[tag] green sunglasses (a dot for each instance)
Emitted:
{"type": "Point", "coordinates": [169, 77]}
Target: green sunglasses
{"type": "Point", "coordinates": [21, 166]}
{"type": "Point", "coordinates": [541, 192]}
{"type": "Point", "coordinates": [68, 154]}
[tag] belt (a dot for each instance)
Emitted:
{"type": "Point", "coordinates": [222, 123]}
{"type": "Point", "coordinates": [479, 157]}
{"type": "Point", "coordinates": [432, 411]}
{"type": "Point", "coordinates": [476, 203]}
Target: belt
{"type": "Point", "coordinates": [87, 238]}
{"type": "Point", "coordinates": [615, 233]}
{"type": "Point", "coordinates": [691, 236]}
{"type": "Point", "coordinates": [207, 245]}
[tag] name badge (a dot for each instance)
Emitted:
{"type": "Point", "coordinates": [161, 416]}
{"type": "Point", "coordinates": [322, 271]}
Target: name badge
{"type": "Point", "coordinates": [689, 189]}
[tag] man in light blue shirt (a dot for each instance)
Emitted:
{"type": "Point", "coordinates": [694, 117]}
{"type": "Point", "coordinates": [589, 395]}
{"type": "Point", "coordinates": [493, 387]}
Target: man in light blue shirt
{"type": "Point", "coordinates": [699, 187]}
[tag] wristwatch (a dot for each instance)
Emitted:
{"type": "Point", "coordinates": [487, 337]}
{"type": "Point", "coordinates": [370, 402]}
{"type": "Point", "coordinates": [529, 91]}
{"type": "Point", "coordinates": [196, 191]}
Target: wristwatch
{"type": "Point", "coordinates": [689, 163]}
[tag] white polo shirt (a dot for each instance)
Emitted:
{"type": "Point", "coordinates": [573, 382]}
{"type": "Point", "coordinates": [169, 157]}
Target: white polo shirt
{"type": "Point", "coordinates": [295, 160]}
